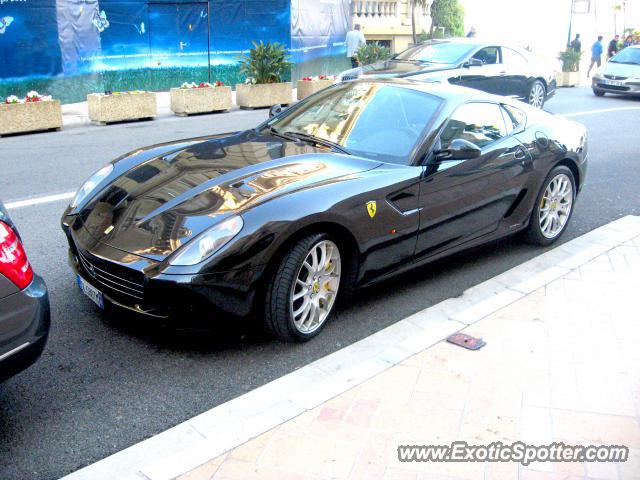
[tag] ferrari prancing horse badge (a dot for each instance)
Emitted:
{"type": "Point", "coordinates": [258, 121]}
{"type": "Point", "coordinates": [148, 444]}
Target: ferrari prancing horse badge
{"type": "Point", "coordinates": [371, 208]}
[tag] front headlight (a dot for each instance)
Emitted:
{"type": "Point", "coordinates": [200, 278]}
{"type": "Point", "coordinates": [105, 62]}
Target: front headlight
{"type": "Point", "coordinates": [91, 183]}
{"type": "Point", "coordinates": [207, 243]}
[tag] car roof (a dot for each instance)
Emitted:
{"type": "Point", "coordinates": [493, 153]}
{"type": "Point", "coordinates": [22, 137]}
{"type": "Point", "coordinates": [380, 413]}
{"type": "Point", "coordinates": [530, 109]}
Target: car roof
{"type": "Point", "coordinates": [445, 91]}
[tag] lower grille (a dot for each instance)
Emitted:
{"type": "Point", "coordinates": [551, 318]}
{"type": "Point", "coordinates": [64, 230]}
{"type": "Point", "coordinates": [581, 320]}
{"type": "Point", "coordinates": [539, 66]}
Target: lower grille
{"type": "Point", "coordinates": [116, 283]}
{"type": "Point", "coordinates": [613, 87]}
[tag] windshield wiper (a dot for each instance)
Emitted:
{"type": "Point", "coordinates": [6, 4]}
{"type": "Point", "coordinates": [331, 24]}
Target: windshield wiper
{"type": "Point", "coordinates": [274, 131]}
{"type": "Point", "coordinates": [317, 141]}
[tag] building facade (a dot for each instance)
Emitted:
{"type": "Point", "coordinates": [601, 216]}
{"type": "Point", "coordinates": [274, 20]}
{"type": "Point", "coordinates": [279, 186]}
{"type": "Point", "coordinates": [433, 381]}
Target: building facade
{"type": "Point", "coordinates": [389, 22]}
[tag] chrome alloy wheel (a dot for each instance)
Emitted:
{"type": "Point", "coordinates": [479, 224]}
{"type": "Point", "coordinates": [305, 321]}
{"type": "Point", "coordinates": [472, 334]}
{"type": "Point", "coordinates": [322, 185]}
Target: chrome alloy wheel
{"type": "Point", "coordinates": [536, 96]}
{"type": "Point", "coordinates": [555, 205]}
{"type": "Point", "coordinates": [316, 287]}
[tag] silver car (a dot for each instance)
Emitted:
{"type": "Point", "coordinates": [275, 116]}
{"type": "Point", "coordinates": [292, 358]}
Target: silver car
{"type": "Point", "coordinates": [621, 74]}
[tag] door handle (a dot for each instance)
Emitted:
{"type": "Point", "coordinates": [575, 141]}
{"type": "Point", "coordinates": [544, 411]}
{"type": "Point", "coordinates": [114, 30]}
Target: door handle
{"type": "Point", "coordinates": [502, 73]}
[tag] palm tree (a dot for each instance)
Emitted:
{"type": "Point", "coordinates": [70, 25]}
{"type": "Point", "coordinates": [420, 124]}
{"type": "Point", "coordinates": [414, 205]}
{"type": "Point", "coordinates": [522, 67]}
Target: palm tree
{"type": "Point", "coordinates": [424, 5]}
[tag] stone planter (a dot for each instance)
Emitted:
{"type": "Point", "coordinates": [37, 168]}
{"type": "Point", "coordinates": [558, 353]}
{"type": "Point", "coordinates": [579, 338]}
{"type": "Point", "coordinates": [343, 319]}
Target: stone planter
{"type": "Point", "coordinates": [567, 79]}
{"type": "Point", "coordinates": [263, 95]}
{"type": "Point", "coordinates": [120, 107]}
{"type": "Point", "coordinates": [185, 101]}
{"type": "Point", "coordinates": [306, 87]}
{"type": "Point", "coordinates": [30, 117]}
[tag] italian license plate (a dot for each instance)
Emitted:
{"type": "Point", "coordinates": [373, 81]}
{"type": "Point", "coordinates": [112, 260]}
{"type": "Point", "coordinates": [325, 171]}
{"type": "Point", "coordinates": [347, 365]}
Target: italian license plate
{"type": "Point", "coordinates": [613, 83]}
{"type": "Point", "coordinates": [92, 292]}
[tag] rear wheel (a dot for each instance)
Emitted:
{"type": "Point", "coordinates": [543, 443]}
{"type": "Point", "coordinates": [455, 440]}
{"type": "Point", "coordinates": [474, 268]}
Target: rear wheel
{"type": "Point", "coordinates": [598, 93]}
{"type": "Point", "coordinates": [303, 289]}
{"type": "Point", "coordinates": [537, 94]}
{"type": "Point", "coordinates": [554, 206]}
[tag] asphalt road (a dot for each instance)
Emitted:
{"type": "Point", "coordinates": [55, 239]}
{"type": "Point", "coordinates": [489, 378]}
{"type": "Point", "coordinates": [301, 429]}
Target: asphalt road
{"type": "Point", "coordinates": [104, 384]}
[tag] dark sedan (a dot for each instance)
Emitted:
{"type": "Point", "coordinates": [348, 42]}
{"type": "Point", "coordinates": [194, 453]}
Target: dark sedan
{"type": "Point", "coordinates": [468, 62]}
{"type": "Point", "coordinates": [349, 187]}
{"type": "Point", "coordinates": [24, 304]}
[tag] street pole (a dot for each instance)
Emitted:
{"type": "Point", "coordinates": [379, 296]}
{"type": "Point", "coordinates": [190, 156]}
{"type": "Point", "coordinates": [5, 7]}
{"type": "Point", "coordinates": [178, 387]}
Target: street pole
{"type": "Point", "coordinates": [570, 22]}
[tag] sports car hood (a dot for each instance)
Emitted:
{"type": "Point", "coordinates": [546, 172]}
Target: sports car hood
{"type": "Point", "coordinates": [162, 203]}
{"type": "Point", "coordinates": [398, 68]}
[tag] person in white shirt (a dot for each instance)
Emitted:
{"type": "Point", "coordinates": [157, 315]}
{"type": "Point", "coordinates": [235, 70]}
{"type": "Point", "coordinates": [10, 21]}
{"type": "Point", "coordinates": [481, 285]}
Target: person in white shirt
{"type": "Point", "coordinates": [355, 39]}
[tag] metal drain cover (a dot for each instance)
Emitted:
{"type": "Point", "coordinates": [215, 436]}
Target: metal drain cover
{"type": "Point", "coordinates": [466, 341]}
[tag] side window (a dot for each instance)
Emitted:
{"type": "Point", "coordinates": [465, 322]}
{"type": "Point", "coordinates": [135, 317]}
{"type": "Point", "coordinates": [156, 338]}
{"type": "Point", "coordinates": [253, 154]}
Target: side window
{"type": "Point", "coordinates": [511, 57]}
{"type": "Point", "coordinates": [488, 55]}
{"type": "Point", "coordinates": [514, 115]}
{"type": "Point", "coordinates": [479, 123]}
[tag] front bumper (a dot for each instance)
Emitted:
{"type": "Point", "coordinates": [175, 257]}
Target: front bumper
{"type": "Point", "coordinates": [623, 87]}
{"type": "Point", "coordinates": [24, 327]}
{"type": "Point", "coordinates": [139, 285]}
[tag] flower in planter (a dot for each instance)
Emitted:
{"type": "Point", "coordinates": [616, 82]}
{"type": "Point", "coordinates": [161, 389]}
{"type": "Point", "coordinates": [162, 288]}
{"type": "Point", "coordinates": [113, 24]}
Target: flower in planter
{"type": "Point", "coordinates": [250, 81]}
{"type": "Point", "coordinates": [188, 85]}
{"type": "Point", "coordinates": [219, 83]}
{"type": "Point", "coordinates": [326, 77]}
{"type": "Point", "coordinates": [12, 99]}
{"type": "Point", "coordinates": [204, 85]}
{"type": "Point", "coordinates": [307, 79]}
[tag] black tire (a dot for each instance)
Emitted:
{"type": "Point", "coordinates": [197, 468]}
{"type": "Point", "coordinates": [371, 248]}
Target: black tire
{"type": "Point", "coordinates": [598, 93]}
{"type": "Point", "coordinates": [533, 233]}
{"type": "Point", "coordinates": [277, 314]}
{"type": "Point", "coordinates": [537, 84]}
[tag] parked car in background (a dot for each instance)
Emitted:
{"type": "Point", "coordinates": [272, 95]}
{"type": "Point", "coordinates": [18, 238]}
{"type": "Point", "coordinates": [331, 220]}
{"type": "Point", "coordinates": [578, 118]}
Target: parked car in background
{"type": "Point", "coordinates": [357, 183]}
{"type": "Point", "coordinates": [620, 75]}
{"type": "Point", "coordinates": [490, 67]}
{"type": "Point", "coordinates": [24, 304]}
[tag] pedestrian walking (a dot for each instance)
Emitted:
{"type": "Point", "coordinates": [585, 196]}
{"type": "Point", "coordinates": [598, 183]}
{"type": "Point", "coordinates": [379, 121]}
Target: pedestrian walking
{"type": "Point", "coordinates": [613, 47]}
{"type": "Point", "coordinates": [596, 54]}
{"type": "Point", "coordinates": [355, 39]}
{"type": "Point", "coordinates": [576, 44]}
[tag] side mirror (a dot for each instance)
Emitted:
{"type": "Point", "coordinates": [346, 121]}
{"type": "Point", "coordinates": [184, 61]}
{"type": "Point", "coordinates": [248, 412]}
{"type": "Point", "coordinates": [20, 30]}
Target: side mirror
{"type": "Point", "coordinates": [459, 149]}
{"type": "Point", "coordinates": [275, 110]}
{"type": "Point", "coordinates": [473, 62]}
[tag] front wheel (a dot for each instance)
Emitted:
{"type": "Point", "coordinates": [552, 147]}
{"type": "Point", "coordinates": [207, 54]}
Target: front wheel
{"type": "Point", "coordinates": [553, 208]}
{"type": "Point", "coordinates": [537, 94]}
{"type": "Point", "coordinates": [598, 93]}
{"type": "Point", "coordinates": [303, 289]}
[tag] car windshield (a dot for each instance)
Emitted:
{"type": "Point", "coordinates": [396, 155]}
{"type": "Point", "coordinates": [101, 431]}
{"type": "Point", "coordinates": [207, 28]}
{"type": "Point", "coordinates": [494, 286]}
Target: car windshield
{"type": "Point", "coordinates": [447, 52]}
{"type": "Point", "coordinates": [628, 55]}
{"type": "Point", "coordinates": [373, 120]}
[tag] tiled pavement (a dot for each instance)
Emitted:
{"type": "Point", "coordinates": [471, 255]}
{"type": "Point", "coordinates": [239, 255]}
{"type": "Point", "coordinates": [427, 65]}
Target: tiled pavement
{"type": "Point", "coordinates": [561, 364]}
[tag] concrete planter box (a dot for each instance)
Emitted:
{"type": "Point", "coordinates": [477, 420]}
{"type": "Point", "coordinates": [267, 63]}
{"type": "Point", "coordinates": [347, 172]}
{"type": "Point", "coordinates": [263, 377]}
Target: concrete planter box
{"type": "Point", "coordinates": [30, 117]}
{"type": "Point", "coordinates": [185, 101]}
{"type": "Point", "coordinates": [124, 106]}
{"type": "Point", "coordinates": [306, 87]}
{"type": "Point", "coordinates": [263, 95]}
{"type": "Point", "coordinates": [567, 79]}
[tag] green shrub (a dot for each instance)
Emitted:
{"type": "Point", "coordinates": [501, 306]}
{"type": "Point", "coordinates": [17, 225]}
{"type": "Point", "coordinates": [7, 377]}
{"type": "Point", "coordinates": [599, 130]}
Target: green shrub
{"type": "Point", "coordinates": [265, 63]}
{"type": "Point", "coordinates": [372, 53]}
{"type": "Point", "coordinates": [570, 60]}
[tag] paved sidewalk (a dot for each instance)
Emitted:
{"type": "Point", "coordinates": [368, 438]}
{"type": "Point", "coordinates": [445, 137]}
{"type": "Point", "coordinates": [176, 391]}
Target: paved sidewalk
{"type": "Point", "coordinates": [77, 114]}
{"type": "Point", "coordinates": [561, 364]}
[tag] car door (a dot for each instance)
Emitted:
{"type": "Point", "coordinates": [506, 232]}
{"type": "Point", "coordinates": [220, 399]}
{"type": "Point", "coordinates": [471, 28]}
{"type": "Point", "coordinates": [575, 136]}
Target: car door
{"type": "Point", "coordinates": [515, 73]}
{"type": "Point", "coordinates": [464, 199]}
{"type": "Point", "coordinates": [485, 77]}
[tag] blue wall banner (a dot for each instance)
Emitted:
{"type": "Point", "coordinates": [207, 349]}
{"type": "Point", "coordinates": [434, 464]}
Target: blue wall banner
{"type": "Point", "coordinates": [68, 48]}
